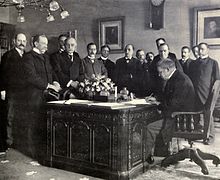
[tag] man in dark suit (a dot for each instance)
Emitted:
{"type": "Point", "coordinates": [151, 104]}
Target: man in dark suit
{"type": "Point", "coordinates": [126, 70]}
{"type": "Point", "coordinates": [185, 61]}
{"type": "Point", "coordinates": [157, 83]}
{"type": "Point", "coordinates": [178, 87]}
{"type": "Point", "coordinates": [68, 67]}
{"type": "Point", "coordinates": [160, 41]}
{"type": "Point", "coordinates": [195, 50]}
{"type": "Point", "coordinates": [38, 78]}
{"type": "Point", "coordinates": [54, 57]}
{"type": "Point", "coordinates": [144, 87]}
{"type": "Point", "coordinates": [205, 71]}
{"type": "Point", "coordinates": [109, 65]}
{"type": "Point", "coordinates": [93, 68]}
{"type": "Point", "coordinates": [13, 84]}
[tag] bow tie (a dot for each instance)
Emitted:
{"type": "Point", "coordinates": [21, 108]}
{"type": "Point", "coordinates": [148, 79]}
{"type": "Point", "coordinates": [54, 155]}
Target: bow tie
{"type": "Point", "coordinates": [127, 59]}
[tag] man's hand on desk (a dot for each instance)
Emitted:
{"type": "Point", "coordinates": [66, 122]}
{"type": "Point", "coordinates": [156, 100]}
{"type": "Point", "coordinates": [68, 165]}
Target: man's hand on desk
{"type": "Point", "coordinates": [152, 100]}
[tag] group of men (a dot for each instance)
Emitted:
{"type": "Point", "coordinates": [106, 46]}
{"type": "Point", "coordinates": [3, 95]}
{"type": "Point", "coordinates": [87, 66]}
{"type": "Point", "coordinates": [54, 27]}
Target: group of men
{"type": "Point", "coordinates": [25, 77]}
{"type": "Point", "coordinates": [182, 85]}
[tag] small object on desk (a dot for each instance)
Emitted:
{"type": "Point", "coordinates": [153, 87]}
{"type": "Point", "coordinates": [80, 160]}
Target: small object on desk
{"type": "Point", "coordinates": [116, 92]}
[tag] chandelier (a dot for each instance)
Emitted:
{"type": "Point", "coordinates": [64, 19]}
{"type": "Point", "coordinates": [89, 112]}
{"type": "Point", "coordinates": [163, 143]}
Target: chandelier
{"type": "Point", "coordinates": [43, 5]}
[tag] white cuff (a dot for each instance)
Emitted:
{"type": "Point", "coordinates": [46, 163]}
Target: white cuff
{"type": "Point", "coordinates": [69, 83]}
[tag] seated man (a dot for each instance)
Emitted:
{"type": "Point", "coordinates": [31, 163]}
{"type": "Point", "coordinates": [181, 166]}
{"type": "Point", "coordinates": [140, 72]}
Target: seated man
{"type": "Point", "coordinates": [177, 88]}
{"type": "Point", "coordinates": [159, 84]}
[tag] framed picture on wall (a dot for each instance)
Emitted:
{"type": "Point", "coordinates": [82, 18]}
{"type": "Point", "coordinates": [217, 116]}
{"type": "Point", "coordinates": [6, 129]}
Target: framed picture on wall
{"type": "Point", "coordinates": [111, 32]}
{"type": "Point", "coordinates": [207, 26]}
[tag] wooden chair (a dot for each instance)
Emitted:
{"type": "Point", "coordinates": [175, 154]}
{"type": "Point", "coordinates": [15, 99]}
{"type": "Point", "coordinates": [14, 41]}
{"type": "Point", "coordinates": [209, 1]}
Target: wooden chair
{"type": "Point", "coordinates": [185, 128]}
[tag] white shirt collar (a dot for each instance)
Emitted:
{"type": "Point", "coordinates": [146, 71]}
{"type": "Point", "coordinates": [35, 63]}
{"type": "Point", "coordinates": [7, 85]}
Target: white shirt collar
{"type": "Point", "coordinates": [20, 52]}
{"type": "Point", "coordinates": [104, 58]}
{"type": "Point", "coordinates": [184, 60]}
{"type": "Point", "coordinates": [71, 54]}
{"type": "Point", "coordinates": [172, 74]}
{"type": "Point", "coordinates": [36, 50]}
{"type": "Point", "coordinates": [204, 57]}
{"type": "Point", "coordinates": [127, 58]}
{"type": "Point", "coordinates": [90, 57]}
{"type": "Point", "coordinates": [61, 50]}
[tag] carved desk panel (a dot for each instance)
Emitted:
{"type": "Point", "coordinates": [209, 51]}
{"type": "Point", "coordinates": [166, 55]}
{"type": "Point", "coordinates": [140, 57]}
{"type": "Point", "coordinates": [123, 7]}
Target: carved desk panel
{"type": "Point", "coordinates": [96, 141]}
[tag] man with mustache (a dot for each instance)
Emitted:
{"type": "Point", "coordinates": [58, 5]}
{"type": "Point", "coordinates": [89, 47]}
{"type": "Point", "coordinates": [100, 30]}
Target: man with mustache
{"type": "Point", "coordinates": [93, 67]}
{"type": "Point", "coordinates": [38, 76]}
{"type": "Point", "coordinates": [185, 61]}
{"type": "Point", "coordinates": [13, 84]}
{"type": "Point", "coordinates": [127, 70]}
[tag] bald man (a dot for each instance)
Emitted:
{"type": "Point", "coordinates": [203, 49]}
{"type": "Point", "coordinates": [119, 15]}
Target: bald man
{"type": "Point", "coordinates": [13, 84]}
{"type": "Point", "coordinates": [68, 67]}
{"type": "Point", "coordinates": [127, 70]}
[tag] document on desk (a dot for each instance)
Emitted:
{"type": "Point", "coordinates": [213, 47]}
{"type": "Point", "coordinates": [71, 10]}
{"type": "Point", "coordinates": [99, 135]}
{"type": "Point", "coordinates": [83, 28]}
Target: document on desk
{"type": "Point", "coordinates": [78, 101]}
{"type": "Point", "coordinates": [111, 105]}
{"type": "Point", "coordinates": [72, 102]}
{"type": "Point", "coordinates": [57, 102]}
{"type": "Point", "coordinates": [140, 102]}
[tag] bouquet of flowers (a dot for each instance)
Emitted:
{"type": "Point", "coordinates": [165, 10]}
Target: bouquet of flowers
{"type": "Point", "coordinates": [98, 86]}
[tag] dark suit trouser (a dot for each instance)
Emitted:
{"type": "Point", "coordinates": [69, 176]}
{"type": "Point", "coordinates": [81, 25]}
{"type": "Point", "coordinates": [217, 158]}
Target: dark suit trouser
{"type": "Point", "coordinates": [3, 122]}
{"type": "Point", "coordinates": [36, 128]}
{"type": "Point", "coordinates": [152, 131]}
{"type": "Point", "coordinates": [15, 109]}
{"type": "Point", "coordinates": [199, 107]}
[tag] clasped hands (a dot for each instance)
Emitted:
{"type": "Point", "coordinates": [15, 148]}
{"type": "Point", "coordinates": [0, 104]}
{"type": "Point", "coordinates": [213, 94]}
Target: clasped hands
{"type": "Point", "coordinates": [55, 86]}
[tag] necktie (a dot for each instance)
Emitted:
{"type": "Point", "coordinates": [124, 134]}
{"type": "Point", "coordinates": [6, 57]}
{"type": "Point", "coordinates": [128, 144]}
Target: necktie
{"type": "Point", "coordinates": [92, 60]}
{"type": "Point", "coordinates": [71, 57]}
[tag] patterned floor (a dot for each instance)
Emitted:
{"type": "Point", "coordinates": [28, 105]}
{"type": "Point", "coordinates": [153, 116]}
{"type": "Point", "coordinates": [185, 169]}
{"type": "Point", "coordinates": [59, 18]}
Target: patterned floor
{"type": "Point", "coordinates": [16, 166]}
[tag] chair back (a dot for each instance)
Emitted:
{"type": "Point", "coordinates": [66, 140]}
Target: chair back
{"type": "Point", "coordinates": [186, 121]}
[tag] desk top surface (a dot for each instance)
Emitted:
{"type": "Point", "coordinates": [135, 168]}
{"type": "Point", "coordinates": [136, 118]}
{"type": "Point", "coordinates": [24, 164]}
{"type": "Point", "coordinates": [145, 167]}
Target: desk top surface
{"type": "Point", "coordinates": [103, 105]}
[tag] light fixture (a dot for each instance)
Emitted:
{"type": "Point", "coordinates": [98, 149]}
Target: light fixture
{"type": "Point", "coordinates": [47, 5]}
{"type": "Point", "coordinates": [50, 17]}
{"type": "Point", "coordinates": [63, 13]}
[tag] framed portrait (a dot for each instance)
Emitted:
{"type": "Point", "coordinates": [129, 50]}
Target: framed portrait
{"type": "Point", "coordinates": [111, 32]}
{"type": "Point", "coordinates": [207, 26]}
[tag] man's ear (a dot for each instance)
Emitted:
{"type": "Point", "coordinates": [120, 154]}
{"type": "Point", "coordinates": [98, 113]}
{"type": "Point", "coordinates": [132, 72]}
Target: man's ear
{"type": "Point", "coordinates": [13, 42]}
{"type": "Point", "coordinates": [35, 44]}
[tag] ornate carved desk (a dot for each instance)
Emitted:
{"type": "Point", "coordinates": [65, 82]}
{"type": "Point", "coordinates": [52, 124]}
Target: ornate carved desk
{"type": "Point", "coordinates": [98, 141]}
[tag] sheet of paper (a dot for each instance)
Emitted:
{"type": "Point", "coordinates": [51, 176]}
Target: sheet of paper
{"type": "Point", "coordinates": [136, 102]}
{"type": "Point", "coordinates": [57, 102]}
{"type": "Point", "coordinates": [78, 101]}
{"type": "Point", "coordinates": [111, 105]}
